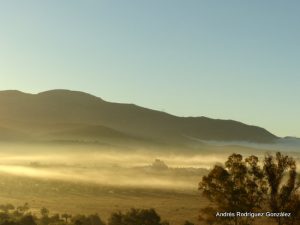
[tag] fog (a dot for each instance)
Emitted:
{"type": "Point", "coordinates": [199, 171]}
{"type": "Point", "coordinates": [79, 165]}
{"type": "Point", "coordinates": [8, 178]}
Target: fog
{"type": "Point", "coordinates": [110, 167]}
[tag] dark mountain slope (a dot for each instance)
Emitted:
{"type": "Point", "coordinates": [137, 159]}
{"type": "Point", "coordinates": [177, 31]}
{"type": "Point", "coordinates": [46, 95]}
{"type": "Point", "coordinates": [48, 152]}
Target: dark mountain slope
{"type": "Point", "coordinates": [59, 110]}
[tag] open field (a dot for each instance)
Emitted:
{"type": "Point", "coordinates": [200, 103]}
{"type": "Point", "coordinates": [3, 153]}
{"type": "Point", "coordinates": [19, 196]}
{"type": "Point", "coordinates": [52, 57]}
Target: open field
{"type": "Point", "coordinates": [74, 181]}
{"type": "Point", "coordinates": [86, 180]}
{"type": "Point", "coordinates": [59, 197]}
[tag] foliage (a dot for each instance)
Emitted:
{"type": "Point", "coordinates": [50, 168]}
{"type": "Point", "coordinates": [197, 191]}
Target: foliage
{"type": "Point", "coordinates": [239, 186]}
{"type": "Point", "coordinates": [9, 215]}
{"type": "Point", "coordinates": [243, 186]}
{"type": "Point", "coordinates": [136, 217]}
{"type": "Point", "coordinates": [281, 174]}
{"type": "Point", "coordinates": [188, 223]}
{"type": "Point", "coordinates": [87, 220]}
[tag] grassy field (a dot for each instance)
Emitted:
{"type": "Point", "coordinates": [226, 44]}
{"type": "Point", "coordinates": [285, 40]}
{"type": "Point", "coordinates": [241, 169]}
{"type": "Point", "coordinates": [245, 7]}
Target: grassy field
{"type": "Point", "coordinates": [175, 206]}
{"type": "Point", "coordinates": [72, 179]}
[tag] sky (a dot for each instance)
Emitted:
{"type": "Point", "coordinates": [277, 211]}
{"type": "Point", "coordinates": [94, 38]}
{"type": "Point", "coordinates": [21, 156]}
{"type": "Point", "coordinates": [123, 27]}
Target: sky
{"type": "Point", "coordinates": [234, 59]}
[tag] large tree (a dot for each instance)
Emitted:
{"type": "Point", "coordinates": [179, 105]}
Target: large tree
{"type": "Point", "coordinates": [283, 181]}
{"type": "Point", "coordinates": [237, 186]}
{"type": "Point", "coordinates": [242, 185]}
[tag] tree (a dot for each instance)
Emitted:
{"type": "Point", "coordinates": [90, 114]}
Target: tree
{"type": "Point", "coordinates": [45, 216]}
{"type": "Point", "coordinates": [284, 184]}
{"type": "Point", "coordinates": [136, 216]}
{"type": "Point", "coordinates": [5, 212]}
{"type": "Point", "coordinates": [21, 210]}
{"type": "Point", "coordinates": [94, 219]}
{"type": "Point", "coordinates": [6, 208]}
{"type": "Point", "coordinates": [239, 186]}
{"type": "Point", "coordinates": [188, 223]}
{"type": "Point", "coordinates": [66, 216]}
{"type": "Point", "coordinates": [159, 165]}
{"type": "Point", "coordinates": [27, 220]}
{"type": "Point", "coordinates": [55, 219]}
{"type": "Point", "coordinates": [44, 212]}
{"type": "Point", "coordinates": [116, 218]}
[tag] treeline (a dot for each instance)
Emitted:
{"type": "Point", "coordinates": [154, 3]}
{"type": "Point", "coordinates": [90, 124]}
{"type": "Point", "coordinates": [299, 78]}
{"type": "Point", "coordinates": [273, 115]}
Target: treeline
{"type": "Point", "coordinates": [270, 187]}
{"type": "Point", "coordinates": [22, 215]}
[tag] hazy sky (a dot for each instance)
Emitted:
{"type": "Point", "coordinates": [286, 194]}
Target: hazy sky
{"type": "Point", "coordinates": [222, 59]}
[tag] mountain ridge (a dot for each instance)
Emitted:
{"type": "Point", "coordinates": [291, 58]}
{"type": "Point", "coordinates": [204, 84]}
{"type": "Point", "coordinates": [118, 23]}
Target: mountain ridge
{"type": "Point", "coordinates": [33, 113]}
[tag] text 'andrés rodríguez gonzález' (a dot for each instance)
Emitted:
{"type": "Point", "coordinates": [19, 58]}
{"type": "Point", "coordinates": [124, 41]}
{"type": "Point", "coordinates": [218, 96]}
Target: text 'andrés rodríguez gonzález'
{"type": "Point", "coordinates": [253, 214]}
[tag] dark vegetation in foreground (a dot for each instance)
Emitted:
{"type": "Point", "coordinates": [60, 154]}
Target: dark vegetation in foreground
{"type": "Point", "coordinates": [10, 215]}
{"type": "Point", "coordinates": [248, 185]}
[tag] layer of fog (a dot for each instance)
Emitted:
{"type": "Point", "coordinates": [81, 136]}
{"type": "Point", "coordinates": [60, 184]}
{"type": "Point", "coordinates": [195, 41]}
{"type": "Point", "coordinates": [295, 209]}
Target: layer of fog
{"type": "Point", "coordinates": [112, 167]}
{"type": "Point", "coordinates": [288, 144]}
{"type": "Point", "coordinates": [106, 166]}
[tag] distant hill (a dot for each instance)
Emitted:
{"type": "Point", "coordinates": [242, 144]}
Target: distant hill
{"type": "Point", "coordinates": [75, 116]}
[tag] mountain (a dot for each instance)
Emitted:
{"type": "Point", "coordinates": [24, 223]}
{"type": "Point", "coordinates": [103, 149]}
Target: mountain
{"type": "Point", "coordinates": [77, 116]}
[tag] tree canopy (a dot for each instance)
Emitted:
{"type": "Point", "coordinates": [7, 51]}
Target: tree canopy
{"type": "Point", "coordinates": [243, 185]}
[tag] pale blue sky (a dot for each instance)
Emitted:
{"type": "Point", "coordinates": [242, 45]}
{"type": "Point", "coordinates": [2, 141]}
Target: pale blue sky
{"type": "Point", "coordinates": [222, 59]}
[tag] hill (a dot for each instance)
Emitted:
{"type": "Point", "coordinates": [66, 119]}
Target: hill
{"type": "Point", "coordinates": [72, 115]}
